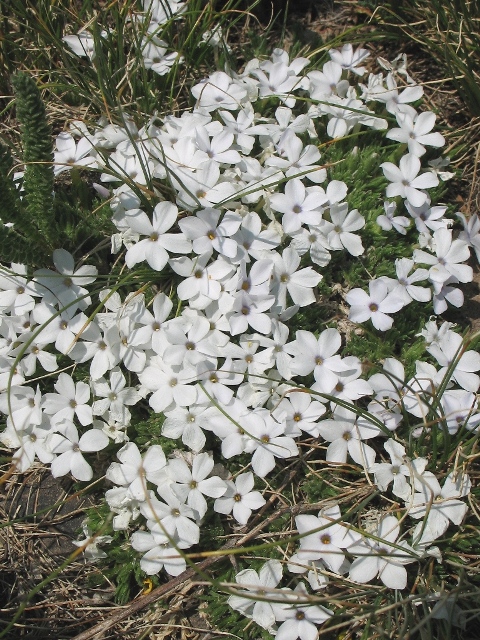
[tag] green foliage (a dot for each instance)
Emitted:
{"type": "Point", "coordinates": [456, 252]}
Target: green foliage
{"type": "Point", "coordinates": [213, 531]}
{"type": "Point", "coordinates": [10, 202]}
{"type": "Point", "coordinates": [150, 431]}
{"type": "Point", "coordinates": [13, 244]}
{"type": "Point", "coordinates": [399, 342]}
{"type": "Point", "coordinates": [315, 487]}
{"type": "Point", "coordinates": [116, 79]}
{"type": "Point", "coordinates": [32, 215]}
{"type": "Point", "coordinates": [42, 222]}
{"type": "Point", "coordinates": [122, 566]}
{"type": "Point", "coordinates": [37, 154]}
{"type": "Point", "coordinates": [447, 30]}
{"type": "Point", "coordinates": [82, 219]}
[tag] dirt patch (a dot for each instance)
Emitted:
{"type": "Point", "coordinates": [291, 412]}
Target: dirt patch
{"type": "Point", "coordinates": [42, 515]}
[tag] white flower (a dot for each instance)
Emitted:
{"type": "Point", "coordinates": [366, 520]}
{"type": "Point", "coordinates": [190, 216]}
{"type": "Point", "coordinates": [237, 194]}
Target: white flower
{"type": "Point", "coordinates": [388, 385]}
{"type": "Point", "coordinates": [102, 349]}
{"type": "Point", "coordinates": [396, 471]}
{"type": "Point", "coordinates": [391, 221]}
{"type": "Point", "coordinates": [114, 430]}
{"type": "Point", "coordinates": [160, 551]}
{"type": "Point", "coordinates": [91, 550]}
{"type": "Point", "coordinates": [324, 537]}
{"type": "Point", "coordinates": [173, 517]}
{"type": "Point", "coordinates": [217, 381]}
{"type": "Point", "coordinates": [280, 81]}
{"type": "Point", "coordinates": [416, 132]}
{"type": "Point", "coordinates": [115, 396]}
{"type": "Point", "coordinates": [154, 248]}
{"type": "Point", "coordinates": [71, 399]}
{"type": "Point", "coordinates": [202, 278]}
{"type": "Point", "coordinates": [16, 293]}
{"type": "Point", "coordinates": [428, 218]}
{"type": "Point", "coordinates": [344, 112]}
{"type": "Point", "coordinates": [339, 231]}
{"type": "Point", "coordinates": [22, 405]}
{"type": "Point", "coordinates": [65, 287]}
{"type": "Point", "coordinates": [328, 81]}
{"type": "Point", "coordinates": [214, 37]}
{"type": "Point", "coordinates": [299, 284]}
{"type": "Point", "coordinates": [405, 181]}
{"type": "Point", "coordinates": [257, 282]}
{"type": "Point", "coordinates": [313, 241]}
{"type": "Point", "coordinates": [219, 147]}
{"type": "Point", "coordinates": [219, 91]}
{"type": "Point", "coordinates": [349, 386]}
{"type": "Point", "coordinates": [450, 254]}
{"type": "Point", "coordinates": [437, 166]}
{"type": "Point", "coordinates": [261, 584]}
{"type": "Point", "coordinates": [299, 205]}
{"type": "Point", "coordinates": [433, 333]}
{"type": "Point", "coordinates": [252, 240]}
{"type": "Point", "coordinates": [192, 484]}
{"type": "Point", "coordinates": [155, 57]}
{"type": "Point", "coordinates": [189, 345]}
{"type": "Point", "coordinates": [346, 434]}
{"type": "Point", "coordinates": [295, 159]}
{"type": "Point", "coordinates": [396, 102]}
{"type": "Point", "coordinates": [134, 342]}
{"type": "Point", "coordinates": [69, 154]}
{"type": "Point", "coordinates": [204, 187]}
{"type": "Point", "coordinates": [60, 328]}
{"type": "Point", "coordinates": [301, 413]}
{"type": "Point", "coordinates": [133, 471]}
{"type": "Point", "coordinates": [159, 12]}
{"type": "Point", "coordinates": [440, 506]}
{"type": "Point", "coordinates": [451, 349]}
{"type": "Point", "coordinates": [250, 310]}
{"type": "Point", "coordinates": [122, 503]}
{"type": "Point", "coordinates": [374, 306]}
{"type": "Point", "coordinates": [82, 44]}
{"type": "Point", "coordinates": [267, 441]}
{"type": "Point", "coordinates": [188, 423]}
{"type": "Point", "coordinates": [406, 289]}
{"type": "Point", "coordinates": [207, 232]}
{"type": "Point", "coordinates": [239, 498]}
{"type": "Point", "coordinates": [381, 558]}
{"type": "Point", "coordinates": [170, 384]}
{"type": "Point", "coordinates": [398, 65]}
{"type": "Point", "coordinates": [471, 232]}
{"type": "Point", "coordinates": [419, 390]}
{"type": "Point", "coordinates": [32, 442]}
{"type": "Point", "coordinates": [459, 408]}
{"type": "Point", "coordinates": [33, 350]}
{"type": "Point", "coordinates": [70, 448]}
{"type": "Point", "coordinates": [241, 127]}
{"type": "Point", "coordinates": [300, 620]}
{"type": "Point", "coordinates": [349, 59]}
{"type": "Point", "coordinates": [443, 293]}
{"type": "Point", "coordinates": [318, 355]}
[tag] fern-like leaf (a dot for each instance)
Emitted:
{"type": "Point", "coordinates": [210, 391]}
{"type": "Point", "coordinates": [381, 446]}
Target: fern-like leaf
{"type": "Point", "coordinates": [37, 155]}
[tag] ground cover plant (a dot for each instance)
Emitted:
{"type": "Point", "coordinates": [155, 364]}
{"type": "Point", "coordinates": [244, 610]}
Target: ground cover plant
{"type": "Point", "coordinates": [229, 331]}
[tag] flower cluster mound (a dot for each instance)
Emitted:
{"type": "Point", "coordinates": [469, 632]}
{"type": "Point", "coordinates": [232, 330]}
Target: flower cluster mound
{"type": "Point", "coordinates": [227, 219]}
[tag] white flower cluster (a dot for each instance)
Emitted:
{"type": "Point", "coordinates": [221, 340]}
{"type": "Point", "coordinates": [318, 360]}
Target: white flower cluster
{"type": "Point", "coordinates": [247, 217]}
